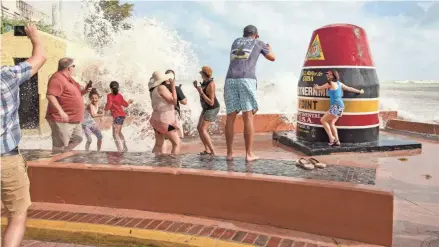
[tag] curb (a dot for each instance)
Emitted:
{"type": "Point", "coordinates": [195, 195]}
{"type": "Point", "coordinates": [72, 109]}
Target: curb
{"type": "Point", "coordinates": [104, 235]}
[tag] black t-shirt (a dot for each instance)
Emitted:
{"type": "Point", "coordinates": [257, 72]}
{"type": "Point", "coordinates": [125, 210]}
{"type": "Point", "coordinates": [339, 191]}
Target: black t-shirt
{"type": "Point", "coordinates": [180, 96]}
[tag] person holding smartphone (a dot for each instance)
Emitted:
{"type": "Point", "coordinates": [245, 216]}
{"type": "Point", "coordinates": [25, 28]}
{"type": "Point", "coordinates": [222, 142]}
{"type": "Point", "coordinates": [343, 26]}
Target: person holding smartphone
{"type": "Point", "coordinates": [210, 106]}
{"type": "Point", "coordinates": [15, 194]}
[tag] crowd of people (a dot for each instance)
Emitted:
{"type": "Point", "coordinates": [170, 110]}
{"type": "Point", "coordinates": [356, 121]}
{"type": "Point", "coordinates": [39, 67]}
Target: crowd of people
{"type": "Point", "coordinates": [69, 117]}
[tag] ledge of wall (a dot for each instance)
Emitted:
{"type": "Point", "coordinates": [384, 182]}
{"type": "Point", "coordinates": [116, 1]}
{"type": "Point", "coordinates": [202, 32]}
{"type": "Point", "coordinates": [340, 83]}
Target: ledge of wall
{"type": "Point", "coordinates": [415, 127]}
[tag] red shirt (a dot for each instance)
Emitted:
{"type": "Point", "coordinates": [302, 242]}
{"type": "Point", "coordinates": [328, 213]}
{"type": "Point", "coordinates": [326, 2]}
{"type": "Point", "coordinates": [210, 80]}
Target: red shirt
{"type": "Point", "coordinates": [68, 93]}
{"type": "Point", "coordinates": [115, 103]}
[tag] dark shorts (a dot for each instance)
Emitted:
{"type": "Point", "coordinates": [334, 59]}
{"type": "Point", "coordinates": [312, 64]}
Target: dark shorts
{"type": "Point", "coordinates": [118, 120]}
{"type": "Point", "coordinates": [170, 128]}
{"type": "Point", "coordinates": [210, 115]}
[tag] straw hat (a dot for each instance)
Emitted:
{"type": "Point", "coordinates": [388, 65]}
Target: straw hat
{"type": "Point", "coordinates": [206, 70]}
{"type": "Point", "coordinates": [158, 77]}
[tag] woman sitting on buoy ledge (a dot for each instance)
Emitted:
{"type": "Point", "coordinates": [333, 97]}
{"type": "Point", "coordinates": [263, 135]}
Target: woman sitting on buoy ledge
{"type": "Point", "coordinates": [336, 107]}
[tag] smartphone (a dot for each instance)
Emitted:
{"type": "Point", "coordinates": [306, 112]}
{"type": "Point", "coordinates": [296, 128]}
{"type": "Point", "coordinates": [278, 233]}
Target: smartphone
{"type": "Point", "coordinates": [19, 31]}
{"type": "Point", "coordinates": [89, 85]}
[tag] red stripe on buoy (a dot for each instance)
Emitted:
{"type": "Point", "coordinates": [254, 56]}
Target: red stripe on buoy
{"type": "Point", "coordinates": [338, 45]}
{"type": "Point", "coordinates": [345, 120]}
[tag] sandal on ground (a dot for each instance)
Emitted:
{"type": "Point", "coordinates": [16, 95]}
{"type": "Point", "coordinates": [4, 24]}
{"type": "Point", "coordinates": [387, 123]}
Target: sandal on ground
{"type": "Point", "coordinates": [337, 143]}
{"type": "Point", "coordinates": [317, 163]}
{"type": "Point", "coordinates": [304, 163]}
{"type": "Point", "coordinates": [204, 153]}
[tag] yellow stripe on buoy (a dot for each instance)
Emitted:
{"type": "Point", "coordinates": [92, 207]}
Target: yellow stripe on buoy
{"type": "Point", "coordinates": [49, 229]}
{"type": "Point", "coordinates": [314, 104]}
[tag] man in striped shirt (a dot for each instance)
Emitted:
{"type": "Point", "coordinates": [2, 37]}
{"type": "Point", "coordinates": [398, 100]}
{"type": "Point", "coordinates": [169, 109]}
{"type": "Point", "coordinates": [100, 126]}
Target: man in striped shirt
{"type": "Point", "coordinates": [15, 193]}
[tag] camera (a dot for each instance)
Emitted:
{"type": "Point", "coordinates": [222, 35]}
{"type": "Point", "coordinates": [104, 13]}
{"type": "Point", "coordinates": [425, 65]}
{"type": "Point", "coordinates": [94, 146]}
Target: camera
{"type": "Point", "coordinates": [19, 31]}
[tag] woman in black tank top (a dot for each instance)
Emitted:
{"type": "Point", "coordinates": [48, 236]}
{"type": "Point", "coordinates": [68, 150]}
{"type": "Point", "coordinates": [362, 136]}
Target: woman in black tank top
{"type": "Point", "coordinates": [210, 106]}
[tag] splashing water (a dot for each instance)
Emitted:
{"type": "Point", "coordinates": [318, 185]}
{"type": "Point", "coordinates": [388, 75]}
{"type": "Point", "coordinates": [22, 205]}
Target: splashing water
{"type": "Point", "coordinates": [132, 55]}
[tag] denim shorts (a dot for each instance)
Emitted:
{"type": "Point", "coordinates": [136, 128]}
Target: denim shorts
{"type": "Point", "coordinates": [336, 110]}
{"type": "Point", "coordinates": [240, 95]}
{"type": "Point", "coordinates": [119, 120]}
{"type": "Point", "coordinates": [210, 115]}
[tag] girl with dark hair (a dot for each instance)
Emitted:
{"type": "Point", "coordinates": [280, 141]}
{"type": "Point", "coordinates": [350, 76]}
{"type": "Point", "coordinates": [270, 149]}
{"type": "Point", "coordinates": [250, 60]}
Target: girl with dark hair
{"type": "Point", "coordinates": [89, 125]}
{"type": "Point", "coordinates": [336, 107]}
{"type": "Point", "coordinates": [115, 101]}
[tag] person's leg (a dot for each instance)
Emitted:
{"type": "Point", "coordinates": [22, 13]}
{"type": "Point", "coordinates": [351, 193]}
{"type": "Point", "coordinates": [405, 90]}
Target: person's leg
{"type": "Point", "coordinates": [95, 129]}
{"type": "Point", "coordinates": [159, 140]}
{"type": "Point", "coordinates": [87, 132]}
{"type": "Point", "coordinates": [233, 107]}
{"type": "Point", "coordinates": [75, 136]}
{"type": "Point", "coordinates": [200, 120]}
{"type": "Point", "coordinates": [120, 121]}
{"type": "Point", "coordinates": [57, 136]}
{"type": "Point", "coordinates": [116, 131]}
{"type": "Point", "coordinates": [203, 132]}
{"type": "Point", "coordinates": [249, 106]}
{"type": "Point", "coordinates": [230, 133]}
{"type": "Point", "coordinates": [248, 135]}
{"type": "Point", "coordinates": [15, 197]}
{"type": "Point", "coordinates": [175, 140]}
{"type": "Point", "coordinates": [325, 122]}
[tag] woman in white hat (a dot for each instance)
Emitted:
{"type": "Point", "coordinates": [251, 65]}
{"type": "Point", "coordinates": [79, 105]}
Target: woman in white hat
{"type": "Point", "coordinates": [163, 118]}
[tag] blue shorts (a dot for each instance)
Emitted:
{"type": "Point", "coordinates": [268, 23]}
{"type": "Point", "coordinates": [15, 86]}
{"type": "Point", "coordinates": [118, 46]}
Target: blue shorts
{"type": "Point", "coordinates": [118, 120]}
{"type": "Point", "coordinates": [336, 110]}
{"type": "Point", "coordinates": [240, 95]}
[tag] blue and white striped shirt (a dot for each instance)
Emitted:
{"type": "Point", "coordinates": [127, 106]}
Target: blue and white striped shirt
{"type": "Point", "coordinates": [11, 79]}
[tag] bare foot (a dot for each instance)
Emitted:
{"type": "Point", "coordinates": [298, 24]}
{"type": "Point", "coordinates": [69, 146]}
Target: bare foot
{"type": "Point", "coordinates": [251, 157]}
{"type": "Point", "coordinates": [229, 156]}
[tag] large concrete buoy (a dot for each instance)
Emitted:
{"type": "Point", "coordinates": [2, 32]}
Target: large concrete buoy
{"type": "Point", "coordinates": [344, 48]}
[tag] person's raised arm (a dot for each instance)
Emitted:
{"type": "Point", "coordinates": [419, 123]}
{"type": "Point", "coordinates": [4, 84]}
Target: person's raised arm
{"type": "Point", "coordinates": [268, 52]}
{"type": "Point", "coordinates": [38, 57]}
{"type": "Point", "coordinates": [351, 89]}
{"type": "Point", "coordinates": [171, 98]}
{"type": "Point", "coordinates": [210, 100]}
{"type": "Point", "coordinates": [324, 86]}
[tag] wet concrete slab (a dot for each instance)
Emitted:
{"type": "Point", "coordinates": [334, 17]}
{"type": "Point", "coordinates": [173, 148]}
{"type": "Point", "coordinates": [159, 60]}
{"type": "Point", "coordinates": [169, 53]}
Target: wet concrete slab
{"type": "Point", "coordinates": [385, 143]}
{"type": "Point", "coordinates": [38, 154]}
{"type": "Point", "coordinates": [285, 168]}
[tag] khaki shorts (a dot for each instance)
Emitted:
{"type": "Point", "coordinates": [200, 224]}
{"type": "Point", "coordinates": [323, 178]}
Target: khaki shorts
{"type": "Point", "coordinates": [64, 133]}
{"type": "Point", "coordinates": [15, 185]}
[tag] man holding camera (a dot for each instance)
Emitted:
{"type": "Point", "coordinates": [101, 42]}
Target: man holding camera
{"type": "Point", "coordinates": [15, 193]}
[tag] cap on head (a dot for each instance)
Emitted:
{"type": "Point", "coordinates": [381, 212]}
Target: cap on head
{"type": "Point", "coordinates": [207, 71]}
{"type": "Point", "coordinates": [114, 84]}
{"type": "Point", "coordinates": [250, 30]}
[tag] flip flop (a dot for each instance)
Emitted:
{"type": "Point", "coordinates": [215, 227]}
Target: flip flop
{"type": "Point", "coordinates": [304, 163]}
{"type": "Point", "coordinates": [204, 153]}
{"type": "Point", "coordinates": [317, 163]}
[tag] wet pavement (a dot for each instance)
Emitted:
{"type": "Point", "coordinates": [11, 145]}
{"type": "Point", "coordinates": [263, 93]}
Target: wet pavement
{"type": "Point", "coordinates": [413, 175]}
{"type": "Point", "coordinates": [357, 175]}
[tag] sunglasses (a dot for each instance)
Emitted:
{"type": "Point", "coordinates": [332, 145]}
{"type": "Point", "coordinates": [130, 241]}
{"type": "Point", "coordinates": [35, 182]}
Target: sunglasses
{"type": "Point", "coordinates": [72, 65]}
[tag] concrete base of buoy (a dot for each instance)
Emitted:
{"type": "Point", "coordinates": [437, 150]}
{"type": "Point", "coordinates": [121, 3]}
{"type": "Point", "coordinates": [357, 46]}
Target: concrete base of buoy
{"type": "Point", "coordinates": [384, 144]}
